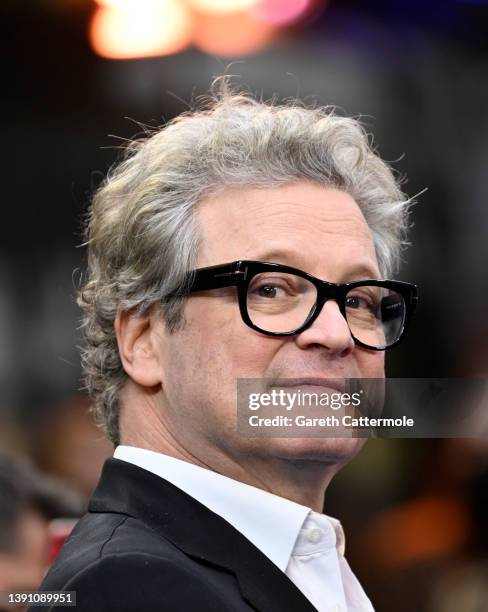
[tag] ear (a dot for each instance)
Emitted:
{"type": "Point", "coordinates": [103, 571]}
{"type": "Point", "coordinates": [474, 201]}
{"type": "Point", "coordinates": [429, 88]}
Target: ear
{"type": "Point", "coordinates": [137, 341]}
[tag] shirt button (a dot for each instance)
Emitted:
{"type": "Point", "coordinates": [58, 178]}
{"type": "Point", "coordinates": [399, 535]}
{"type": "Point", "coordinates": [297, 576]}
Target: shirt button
{"type": "Point", "coordinates": [314, 536]}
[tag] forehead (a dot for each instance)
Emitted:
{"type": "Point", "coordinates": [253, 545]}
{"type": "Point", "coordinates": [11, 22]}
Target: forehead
{"type": "Point", "coordinates": [319, 229]}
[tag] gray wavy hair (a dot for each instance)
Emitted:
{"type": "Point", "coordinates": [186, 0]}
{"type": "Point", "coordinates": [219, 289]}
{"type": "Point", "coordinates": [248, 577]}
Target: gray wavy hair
{"type": "Point", "coordinates": [141, 230]}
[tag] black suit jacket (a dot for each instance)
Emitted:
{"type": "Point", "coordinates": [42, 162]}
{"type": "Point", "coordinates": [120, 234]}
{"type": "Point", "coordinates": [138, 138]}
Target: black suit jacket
{"type": "Point", "coordinates": [145, 546]}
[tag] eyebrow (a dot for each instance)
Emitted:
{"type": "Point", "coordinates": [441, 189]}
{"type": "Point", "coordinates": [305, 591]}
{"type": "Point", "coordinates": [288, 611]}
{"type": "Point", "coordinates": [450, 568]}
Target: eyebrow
{"type": "Point", "coordinates": [361, 270]}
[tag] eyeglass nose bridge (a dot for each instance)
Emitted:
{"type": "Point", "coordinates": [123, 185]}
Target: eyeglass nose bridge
{"type": "Point", "coordinates": [327, 291]}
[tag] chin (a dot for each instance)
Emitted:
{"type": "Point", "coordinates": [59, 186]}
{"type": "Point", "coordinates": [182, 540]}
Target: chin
{"type": "Point", "coordinates": [326, 450]}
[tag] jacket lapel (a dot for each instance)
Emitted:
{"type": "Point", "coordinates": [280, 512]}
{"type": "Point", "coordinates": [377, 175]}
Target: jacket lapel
{"type": "Point", "coordinates": [198, 532]}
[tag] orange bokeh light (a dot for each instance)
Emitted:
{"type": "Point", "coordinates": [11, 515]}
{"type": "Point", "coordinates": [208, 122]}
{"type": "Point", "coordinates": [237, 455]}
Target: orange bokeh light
{"type": "Point", "coordinates": [140, 28]}
{"type": "Point", "coordinates": [280, 12]}
{"type": "Point", "coordinates": [221, 6]}
{"type": "Point", "coordinates": [232, 35]}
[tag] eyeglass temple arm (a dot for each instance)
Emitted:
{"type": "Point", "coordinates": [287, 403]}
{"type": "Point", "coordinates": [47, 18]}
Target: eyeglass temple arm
{"type": "Point", "coordinates": [215, 277]}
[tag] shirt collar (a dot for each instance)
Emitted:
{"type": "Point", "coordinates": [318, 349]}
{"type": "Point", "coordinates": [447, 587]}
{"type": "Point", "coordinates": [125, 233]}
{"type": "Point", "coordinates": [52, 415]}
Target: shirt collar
{"type": "Point", "coordinates": [270, 522]}
{"type": "Point", "coordinates": [319, 533]}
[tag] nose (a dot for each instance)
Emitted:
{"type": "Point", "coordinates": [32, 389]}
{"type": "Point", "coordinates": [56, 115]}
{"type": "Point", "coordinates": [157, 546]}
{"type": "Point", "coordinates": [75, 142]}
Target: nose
{"type": "Point", "coordinates": [329, 330]}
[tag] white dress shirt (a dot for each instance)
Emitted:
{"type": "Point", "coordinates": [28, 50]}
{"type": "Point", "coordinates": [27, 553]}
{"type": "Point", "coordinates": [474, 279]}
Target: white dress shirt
{"type": "Point", "coordinates": [306, 545]}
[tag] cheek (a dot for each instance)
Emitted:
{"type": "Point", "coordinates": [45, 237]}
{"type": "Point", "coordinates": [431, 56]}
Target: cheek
{"type": "Point", "coordinates": [202, 363]}
{"type": "Point", "coordinates": [222, 345]}
{"type": "Point", "coordinates": [371, 364]}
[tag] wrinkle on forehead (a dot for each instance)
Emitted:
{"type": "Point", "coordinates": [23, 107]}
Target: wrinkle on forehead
{"type": "Point", "coordinates": [286, 216]}
{"type": "Point", "coordinates": [307, 217]}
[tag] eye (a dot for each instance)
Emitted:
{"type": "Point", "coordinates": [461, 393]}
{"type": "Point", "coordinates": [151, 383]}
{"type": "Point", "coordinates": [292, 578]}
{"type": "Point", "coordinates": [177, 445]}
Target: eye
{"type": "Point", "coordinates": [361, 302]}
{"type": "Point", "coordinates": [268, 291]}
{"type": "Point", "coordinates": [355, 301]}
{"type": "Point", "coordinates": [273, 286]}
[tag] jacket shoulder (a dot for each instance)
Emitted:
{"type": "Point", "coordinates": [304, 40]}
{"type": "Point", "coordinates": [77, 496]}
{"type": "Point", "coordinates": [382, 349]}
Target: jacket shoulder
{"type": "Point", "coordinates": [116, 562]}
{"type": "Point", "coordinates": [135, 581]}
{"type": "Point", "coordinates": [100, 534]}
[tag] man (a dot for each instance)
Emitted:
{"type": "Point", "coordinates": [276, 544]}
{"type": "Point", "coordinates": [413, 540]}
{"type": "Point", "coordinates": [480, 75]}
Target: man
{"type": "Point", "coordinates": [28, 501]}
{"type": "Point", "coordinates": [190, 515]}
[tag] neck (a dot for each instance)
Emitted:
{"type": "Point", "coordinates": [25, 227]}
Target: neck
{"type": "Point", "coordinates": [295, 476]}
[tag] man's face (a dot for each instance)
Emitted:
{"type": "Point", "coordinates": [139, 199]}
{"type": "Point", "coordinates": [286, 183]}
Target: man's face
{"type": "Point", "coordinates": [323, 232]}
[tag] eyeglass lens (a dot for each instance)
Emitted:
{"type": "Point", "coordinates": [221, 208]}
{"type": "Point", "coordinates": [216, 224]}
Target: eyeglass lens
{"type": "Point", "coordinates": [279, 302]}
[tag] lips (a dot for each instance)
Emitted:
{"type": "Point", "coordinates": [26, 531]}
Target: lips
{"type": "Point", "coordinates": [337, 384]}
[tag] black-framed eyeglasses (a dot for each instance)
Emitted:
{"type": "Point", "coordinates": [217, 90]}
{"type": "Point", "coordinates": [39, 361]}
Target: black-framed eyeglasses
{"type": "Point", "coordinates": [278, 300]}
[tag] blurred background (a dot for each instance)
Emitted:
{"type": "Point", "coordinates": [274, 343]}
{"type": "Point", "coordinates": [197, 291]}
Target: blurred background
{"type": "Point", "coordinates": [79, 77]}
